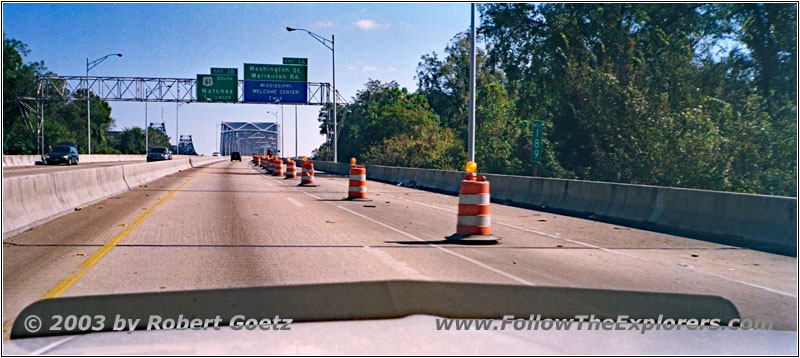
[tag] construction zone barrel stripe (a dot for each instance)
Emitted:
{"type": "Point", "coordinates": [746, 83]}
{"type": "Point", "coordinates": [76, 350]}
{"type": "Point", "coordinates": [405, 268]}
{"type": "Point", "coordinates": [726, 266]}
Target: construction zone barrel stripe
{"type": "Point", "coordinates": [474, 220]}
{"type": "Point", "coordinates": [477, 199]}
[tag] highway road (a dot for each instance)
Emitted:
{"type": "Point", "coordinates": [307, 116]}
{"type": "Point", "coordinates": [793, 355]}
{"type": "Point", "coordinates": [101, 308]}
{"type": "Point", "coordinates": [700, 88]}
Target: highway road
{"type": "Point", "coordinates": [228, 225]}
{"type": "Point", "coordinates": [10, 172]}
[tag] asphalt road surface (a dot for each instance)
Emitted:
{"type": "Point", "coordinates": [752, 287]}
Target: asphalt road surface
{"type": "Point", "coordinates": [227, 225]}
{"type": "Point", "coordinates": [10, 172]}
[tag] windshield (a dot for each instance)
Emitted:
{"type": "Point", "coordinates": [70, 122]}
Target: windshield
{"type": "Point", "coordinates": [60, 149]}
{"type": "Point", "coordinates": [636, 150]}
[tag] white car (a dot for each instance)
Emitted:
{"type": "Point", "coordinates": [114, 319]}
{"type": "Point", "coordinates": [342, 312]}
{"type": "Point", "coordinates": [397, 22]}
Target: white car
{"type": "Point", "coordinates": [215, 154]}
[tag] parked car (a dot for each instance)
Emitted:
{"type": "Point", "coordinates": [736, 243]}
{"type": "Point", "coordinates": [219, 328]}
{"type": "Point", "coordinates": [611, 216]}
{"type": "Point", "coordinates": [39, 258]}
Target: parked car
{"type": "Point", "coordinates": [236, 156]}
{"type": "Point", "coordinates": [159, 153]}
{"type": "Point", "coordinates": [215, 154]}
{"type": "Point", "coordinates": [62, 154]}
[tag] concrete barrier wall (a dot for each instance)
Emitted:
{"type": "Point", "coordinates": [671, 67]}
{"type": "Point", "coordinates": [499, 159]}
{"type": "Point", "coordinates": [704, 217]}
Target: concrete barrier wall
{"type": "Point", "coordinates": [34, 199]}
{"type": "Point", "coordinates": [27, 160]}
{"type": "Point", "coordinates": [762, 222]}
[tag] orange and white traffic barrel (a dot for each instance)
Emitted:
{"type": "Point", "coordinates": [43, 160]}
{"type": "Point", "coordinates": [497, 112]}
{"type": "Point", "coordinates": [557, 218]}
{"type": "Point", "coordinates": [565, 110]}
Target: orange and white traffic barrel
{"type": "Point", "coordinates": [279, 168]}
{"type": "Point", "coordinates": [358, 181]}
{"type": "Point", "coordinates": [474, 203]}
{"type": "Point", "coordinates": [473, 206]}
{"type": "Point", "coordinates": [255, 158]}
{"type": "Point", "coordinates": [291, 169]}
{"type": "Point", "coordinates": [268, 164]}
{"type": "Point", "coordinates": [307, 176]}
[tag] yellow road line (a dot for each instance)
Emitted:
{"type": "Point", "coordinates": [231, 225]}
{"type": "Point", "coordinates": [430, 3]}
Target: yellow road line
{"type": "Point", "coordinates": [87, 264]}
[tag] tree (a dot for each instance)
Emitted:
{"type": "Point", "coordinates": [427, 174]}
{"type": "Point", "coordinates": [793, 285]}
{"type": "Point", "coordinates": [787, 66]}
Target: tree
{"type": "Point", "coordinates": [19, 136]}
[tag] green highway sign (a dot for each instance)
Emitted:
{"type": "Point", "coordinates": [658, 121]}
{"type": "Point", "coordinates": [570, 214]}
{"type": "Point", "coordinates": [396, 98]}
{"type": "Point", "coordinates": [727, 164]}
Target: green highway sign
{"type": "Point", "coordinates": [284, 73]}
{"type": "Point", "coordinates": [536, 146]}
{"type": "Point", "coordinates": [225, 71]}
{"type": "Point", "coordinates": [217, 88]}
{"type": "Point", "coordinates": [295, 61]}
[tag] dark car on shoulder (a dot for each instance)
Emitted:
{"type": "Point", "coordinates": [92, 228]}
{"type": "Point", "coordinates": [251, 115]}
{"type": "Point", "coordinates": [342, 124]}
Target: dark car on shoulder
{"type": "Point", "coordinates": [159, 153]}
{"type": "Point", "coordinates": [62, 154]}
{"type": "Point", "coordinates": [236, 156]}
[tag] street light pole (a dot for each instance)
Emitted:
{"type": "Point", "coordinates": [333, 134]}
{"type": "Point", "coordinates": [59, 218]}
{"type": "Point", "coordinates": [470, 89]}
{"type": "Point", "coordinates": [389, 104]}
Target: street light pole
{"type": "Point", "coordinates": [282, 147]}
{"type": "Point", "coordinates": [471, 138]}
{"type": "Point", "coordinates": [335, 131]}
{"type": "Point", "coordinates": [331, 47]}
{"type": "Point", "coordinates": [89, 66]}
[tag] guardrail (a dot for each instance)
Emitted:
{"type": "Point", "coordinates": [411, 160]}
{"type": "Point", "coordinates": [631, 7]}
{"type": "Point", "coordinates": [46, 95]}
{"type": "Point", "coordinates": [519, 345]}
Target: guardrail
{"type": "Point", "coordinates": [762, 222]}
{"type": "Point", "coordinates": [31, 200]}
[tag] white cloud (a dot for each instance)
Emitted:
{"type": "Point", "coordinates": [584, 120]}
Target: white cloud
{"type": "Point", "coordinates": [369, 68]}
{"type": "Point", "coordinates": [365, 24]}
{"type": "Point", "coordinates": [352, 68]}
{"type": "Point", "coordinates": [390, 68]}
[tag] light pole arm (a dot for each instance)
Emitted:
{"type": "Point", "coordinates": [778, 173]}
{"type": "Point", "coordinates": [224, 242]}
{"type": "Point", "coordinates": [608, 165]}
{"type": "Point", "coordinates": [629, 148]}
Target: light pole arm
{"type": "Point", "coordinates": [327, 43]}
{"type": "Point", "coordinates": [92, 64]}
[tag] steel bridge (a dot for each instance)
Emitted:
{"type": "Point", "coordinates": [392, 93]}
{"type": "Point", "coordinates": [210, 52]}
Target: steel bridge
{"type": "Point", "coordinates": [137, 89]}
{"type": "Point", "coordinates": [248, 137]}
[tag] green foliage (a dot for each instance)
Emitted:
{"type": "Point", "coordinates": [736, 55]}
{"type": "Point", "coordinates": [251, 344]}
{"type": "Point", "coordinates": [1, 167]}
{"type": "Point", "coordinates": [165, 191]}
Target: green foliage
{"type": "Point", "coordinates": [684, 95]}
{"type": "Point", "coordinates": [63, 121]}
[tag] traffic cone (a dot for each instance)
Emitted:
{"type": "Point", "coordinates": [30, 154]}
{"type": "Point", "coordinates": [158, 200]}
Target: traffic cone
{"type": "Point", "coordinates": [474, 221]}
{"type": "Point", "coordinates": [358, 182]}
{"type": "Point", "coordinates": [269, 164]}
{"type": "Point", "coordinates": [307, 177]}
{"type": "Point", "coordinates": [279, 168]}
{"type": "Point", "coordinates": [291, 169]}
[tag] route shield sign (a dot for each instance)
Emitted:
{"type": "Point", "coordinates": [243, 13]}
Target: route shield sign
{"type": "Point", "coordinates": [217, 88]}
{"type": "Point", "coordinates": [536, 146]}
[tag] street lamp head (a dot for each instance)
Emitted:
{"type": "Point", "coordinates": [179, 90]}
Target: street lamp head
{"type": "Point", "coordinates": [119, 55]}
{"type": "Point", "coordinates": [290, 28]}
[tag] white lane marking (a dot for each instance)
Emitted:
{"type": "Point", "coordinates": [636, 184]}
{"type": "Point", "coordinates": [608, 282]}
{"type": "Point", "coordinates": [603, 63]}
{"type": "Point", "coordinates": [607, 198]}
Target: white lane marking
{"type": "Point", "coordinates": [295, 202]}
{"type": "Point", "coordinates": [614, 251]}
{"type": "Point", "coordinates": [725, 278]}
{"type": "Point", "coordinates": [465, 258]}
{"type": "Point", "coordinates": [395, 264]}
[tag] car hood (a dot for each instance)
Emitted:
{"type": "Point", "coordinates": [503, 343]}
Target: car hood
{"type": "Point", "coordinates": [380, 300]}
{"type": "Point", "coordinates": [412, 335]}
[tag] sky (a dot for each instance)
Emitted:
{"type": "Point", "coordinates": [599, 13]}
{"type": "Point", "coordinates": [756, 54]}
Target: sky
{"type": "Point", "coordinates": [373, 41]}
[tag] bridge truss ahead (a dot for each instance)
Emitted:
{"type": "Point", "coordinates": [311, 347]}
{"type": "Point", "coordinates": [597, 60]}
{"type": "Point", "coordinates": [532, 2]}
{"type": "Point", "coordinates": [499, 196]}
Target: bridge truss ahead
{"type": "Point", "coordinates": [138, 89]}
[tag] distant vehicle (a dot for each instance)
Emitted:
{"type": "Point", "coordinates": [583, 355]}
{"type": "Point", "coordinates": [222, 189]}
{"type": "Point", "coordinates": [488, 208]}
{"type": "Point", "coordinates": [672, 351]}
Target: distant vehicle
{"type": "Point", "coordinates": [215, 154]}
{"type": "Point", "coordinates": [159, 153]}
{"type": "Point", "coordinates": [236, 156]}
{"type": "Point", "coordinates": [62, 154]}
